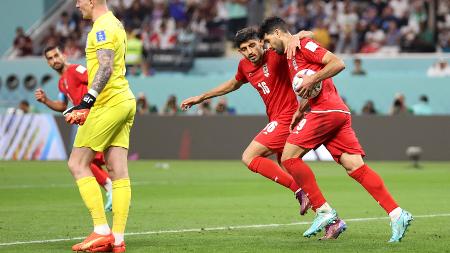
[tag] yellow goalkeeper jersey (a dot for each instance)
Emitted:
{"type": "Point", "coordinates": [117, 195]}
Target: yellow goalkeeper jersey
{"type": "Point", "coordinates": [108, 33]}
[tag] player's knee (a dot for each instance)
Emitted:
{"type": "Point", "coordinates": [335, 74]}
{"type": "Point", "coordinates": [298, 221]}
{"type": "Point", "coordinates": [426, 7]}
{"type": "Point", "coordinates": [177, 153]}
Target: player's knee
{"type": "Point", "coordinates": [285, 157]}
{"type": "Point", "coordinates": [73, 165]}
{"type": "Point", "coordinates": [247, 159]}
{"type": "Point", "coordinates": [351, 162]}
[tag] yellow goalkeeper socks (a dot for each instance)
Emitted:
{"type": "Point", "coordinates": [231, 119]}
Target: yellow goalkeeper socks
{"type": "Point", "coordinates": [121, 205]}
{"type": "Point", "coordinates": [92, 197]}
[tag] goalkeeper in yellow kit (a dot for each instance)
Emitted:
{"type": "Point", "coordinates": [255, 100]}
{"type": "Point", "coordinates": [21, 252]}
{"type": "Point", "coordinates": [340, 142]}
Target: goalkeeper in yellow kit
{"type": "Point", "coordinates": [105, 116]}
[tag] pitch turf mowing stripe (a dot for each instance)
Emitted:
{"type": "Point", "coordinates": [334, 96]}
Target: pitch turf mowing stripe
{"type": "Point", "coordinates": [216, 229]}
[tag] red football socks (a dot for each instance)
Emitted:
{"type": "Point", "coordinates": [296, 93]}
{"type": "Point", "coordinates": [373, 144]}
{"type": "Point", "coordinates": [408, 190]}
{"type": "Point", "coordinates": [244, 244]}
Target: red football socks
{"type": "Point", "coordinates": [272, 171]}
{"type": "Point", "coordinates": [304, 177]}
{"type": "Point", "coordinates": [373, 183]}
{"type": "Point", "coordinates": [99, 174]}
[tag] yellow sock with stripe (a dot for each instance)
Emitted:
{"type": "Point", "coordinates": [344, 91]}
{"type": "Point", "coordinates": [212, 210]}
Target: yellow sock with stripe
{"type": "Point", "coordinates": [121, 204]}
{"type": "Point", "coordinates": [92, 197]}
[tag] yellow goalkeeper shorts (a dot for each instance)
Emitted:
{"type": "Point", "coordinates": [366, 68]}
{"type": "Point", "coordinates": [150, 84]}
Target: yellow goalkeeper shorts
{"type": "Point", "coordinates": [107, 126]}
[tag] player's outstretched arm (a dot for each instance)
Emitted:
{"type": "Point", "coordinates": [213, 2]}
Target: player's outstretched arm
{"type": "Point", "coordinates": [55, 105]}
{"type": "Point", "coordinates": [224, 88]}
{"type": "Point", "coordinates": [294, 43]}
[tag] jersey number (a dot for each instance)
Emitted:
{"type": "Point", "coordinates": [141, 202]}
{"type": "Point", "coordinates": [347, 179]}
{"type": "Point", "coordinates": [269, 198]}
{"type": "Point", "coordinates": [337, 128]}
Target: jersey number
{"type": "Point", "coordinates": [270, 127]}
{"type": "Point", "coordinates": [265, 89]}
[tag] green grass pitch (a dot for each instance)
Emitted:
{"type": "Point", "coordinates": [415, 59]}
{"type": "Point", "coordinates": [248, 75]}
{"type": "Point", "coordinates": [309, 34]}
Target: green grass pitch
{"type": "Point", "coordinates": [39, 202]}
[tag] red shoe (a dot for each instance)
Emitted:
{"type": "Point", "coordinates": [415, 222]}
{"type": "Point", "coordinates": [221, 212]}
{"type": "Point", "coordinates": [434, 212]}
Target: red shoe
{"type": "Point", "coordinates": [119, 248]}
{"type": "Point", "coordinates": [303, 200]}
{"type": "Point", "coordinates": [93, 242]}
{"type": "Point", "coordinates": [105, 248]}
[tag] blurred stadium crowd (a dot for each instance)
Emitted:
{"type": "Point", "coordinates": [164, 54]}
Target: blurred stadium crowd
{"type": "Point", "coordinates": [341, 26]}
{"type": "Point", "coordinates": [347, 26]}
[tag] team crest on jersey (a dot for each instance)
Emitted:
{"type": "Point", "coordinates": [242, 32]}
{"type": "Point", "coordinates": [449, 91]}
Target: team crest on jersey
{"type": "Point", "coordinates": [101, 36]}
{"type": "Point", "coordinates": [266, 70]}
{"type": "Point", "coordinates": [294, 64]}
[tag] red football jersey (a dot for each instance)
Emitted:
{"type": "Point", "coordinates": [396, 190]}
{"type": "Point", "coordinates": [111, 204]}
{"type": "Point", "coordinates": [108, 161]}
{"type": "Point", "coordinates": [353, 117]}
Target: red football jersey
{"type": "Point", "coordinates": [309, 56]}
{"type": "Point", "coordinates": [272, 81]}
{"type": "Point", "coordinates": [73, 83]}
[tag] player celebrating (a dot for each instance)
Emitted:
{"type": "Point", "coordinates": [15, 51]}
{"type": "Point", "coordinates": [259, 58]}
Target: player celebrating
{"type": "Point", "coordinates": [259, 67]}
{"type": "Point", "coordinates": [328, 123]}
{"type": "Point", "coordinates": [72, 86]}
{"type": "Point", "coordinates": [262, 69]}
{"type": "Point", "coordinates": [106, 114]}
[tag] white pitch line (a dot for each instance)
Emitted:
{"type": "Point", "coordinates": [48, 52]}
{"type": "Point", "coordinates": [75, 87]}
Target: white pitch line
{"type": "Point", "coordinates": [216, 229]}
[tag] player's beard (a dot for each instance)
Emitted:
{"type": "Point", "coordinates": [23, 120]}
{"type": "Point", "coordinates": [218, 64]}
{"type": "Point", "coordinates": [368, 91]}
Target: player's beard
{"type": "Point", "coordinates": [58, 68]}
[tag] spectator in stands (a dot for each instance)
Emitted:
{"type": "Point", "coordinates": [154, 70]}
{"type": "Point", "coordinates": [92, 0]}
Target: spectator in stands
{"type": "Point", "coordinates": [369, 108]}
{"type": "Point", "coordinates": [374, 39]}
{"type": "Point", "coordinates": [237, 16]}
{"type": "Point", "coordinates": [398, 106]}
{"type": "Point", "coordinates": [321, 34]}
{"type": "Point", "coordinates": [222, 107]}
{"type": "Point", "coordinates": [444, 38]}
{"type": "Point", "coordinates": [164, 38]}
{"type": "Point", "coordinates": [51, 39]}
{"type": "Point", "coordinates": [198, 23]}
{"type": "Point", "coordinates": [135, 15]}
{"type": "Point", "coordinates": [177, 10]}
{"type": "Point", "coordinates": [300, 19]}
{"type": "Point", "coordinates": [71, 49]}
{"type": "Point", "coordinates": [423, 107]}
{"type": "Point", "coordinates": [204, 108]}
{"type": "Point", "coordinates": [133, 59]}
{"type": "Point", "coordinates": [143, 106]}
{"type": "Point", "coordinates": [24, 106]}
{"type": "Point", "coordinates": [348, 39]}
{"type": "Point", "coordinates": [439, 69]}
{"type": "Point", "coordinates": [171, 108]}
{"type": "Point", "coordinates": [424, 41]}
{"type": "Point", "coordinates": [358, 70]}
{"type": "Point", "coordinates": [22, 43]}
{"type": "Point", "coordinates": [65, 27]}
{"type": "Point", "coordinates": [255, 10]}
{"type": "Point", "coordinates": [400, 8]}
{"type": "Point", "coordinates": [392, 41]}
{"type": "Point", "coordinates": [186, 39]}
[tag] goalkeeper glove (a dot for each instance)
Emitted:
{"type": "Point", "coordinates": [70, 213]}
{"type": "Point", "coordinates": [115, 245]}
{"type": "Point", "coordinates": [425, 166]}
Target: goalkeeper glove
{"type": "Point", "coordinates": [78, 114]}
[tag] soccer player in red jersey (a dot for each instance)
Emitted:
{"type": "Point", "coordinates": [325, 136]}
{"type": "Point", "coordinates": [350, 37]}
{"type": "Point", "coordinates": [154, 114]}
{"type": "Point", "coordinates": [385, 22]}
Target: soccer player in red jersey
{"type": "Point", "coordinates": [328, 123]}
{"type": "Point", "coordinates": [72, 86]}
{"type": "Point", "coordinates": [260, 68]}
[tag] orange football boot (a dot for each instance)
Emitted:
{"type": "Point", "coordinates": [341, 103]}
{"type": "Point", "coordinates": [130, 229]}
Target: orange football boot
{"type": "Point", "coordinates": [93, 242]}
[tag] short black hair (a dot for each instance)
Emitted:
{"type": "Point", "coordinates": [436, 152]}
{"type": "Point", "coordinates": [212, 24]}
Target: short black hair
{"type": "Point", "coordinates": [49, 48]}
{"type": "Point", "coordinates": [24, 102]}
{"type": "Point", "coordinates": [244, 35]}
{"type": "Point", "coordinates": [269, 25]}
{"type": "Point", "coordinates": [424, 98]}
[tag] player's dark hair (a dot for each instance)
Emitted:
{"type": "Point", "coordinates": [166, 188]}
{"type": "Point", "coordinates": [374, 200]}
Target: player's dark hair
{"type": "Point", "coordinates": [49, 48]}
{"type": "Point", "coordinates": [244, 35]}
{"type": "Point", "coordinates": [424, 98]}
{"type": "Point", "coordinates": [269, 25]}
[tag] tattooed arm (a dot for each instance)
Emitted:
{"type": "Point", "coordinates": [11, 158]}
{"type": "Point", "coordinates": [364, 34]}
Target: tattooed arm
{"type": "Point", "coordinates": [105, 60]}
{"type": "Point", "coordinates": [78, 114]}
